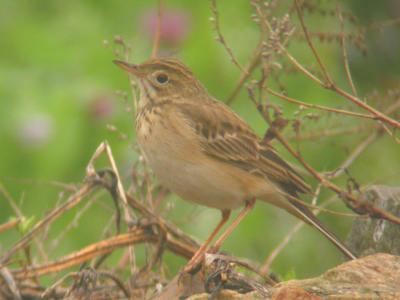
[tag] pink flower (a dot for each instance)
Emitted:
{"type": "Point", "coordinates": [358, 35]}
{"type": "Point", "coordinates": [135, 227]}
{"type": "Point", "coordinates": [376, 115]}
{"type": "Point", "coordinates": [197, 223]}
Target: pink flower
{"type": "Point", "coordinates": [174, 25]}
{"type": "Point", "coordinates": [100, 108]}
{"type": "Point", "coordinates": [35, 131]}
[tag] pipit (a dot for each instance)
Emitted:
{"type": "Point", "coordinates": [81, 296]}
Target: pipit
{"type": "Point", "coordinates": [204, 152]}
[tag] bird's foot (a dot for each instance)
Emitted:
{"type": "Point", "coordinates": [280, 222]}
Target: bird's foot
{"type": "Point", "coordinates": [194, 265]}
{"type": "Point", "coordinates": [213, 250]}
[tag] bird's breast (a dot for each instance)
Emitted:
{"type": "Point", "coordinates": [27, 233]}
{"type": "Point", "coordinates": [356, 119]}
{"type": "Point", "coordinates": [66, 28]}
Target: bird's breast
{"type": "Point", "coordinates": [145, 121]}
{"type": "Point", "coordinates": [174, 153]}
{"type": "Point", "coordinates": [163, 136]}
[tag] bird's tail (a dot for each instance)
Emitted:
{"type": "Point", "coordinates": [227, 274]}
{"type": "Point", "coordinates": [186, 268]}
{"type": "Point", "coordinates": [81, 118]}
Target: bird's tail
{"type": "Point", "coordinates": [307, 216]}
{"type": "Point", "coordinates": [302, 212]}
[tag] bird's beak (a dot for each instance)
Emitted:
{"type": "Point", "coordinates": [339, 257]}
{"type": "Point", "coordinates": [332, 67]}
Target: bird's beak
{"type": "Point", "coordinates": [130, 68]}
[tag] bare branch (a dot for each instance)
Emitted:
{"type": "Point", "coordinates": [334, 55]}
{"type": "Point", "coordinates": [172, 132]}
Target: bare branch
{"type": "Point", "coordinates": [320, 107]}
{"type": "Point", "coordinates": [344, 52]}
{"type": "Point", "coordinates": [356, 204]}
{"type": "Point", "coordinates": [355, 154]}
{"type": "Point", "coordinates": [253, 63]}
{"type": "Point", "coordinates": [90, 170]}
{"type": "Point", "coordinates": [70, 203]}
{"type": "Point", "coordinates": [379, 115]}
{"type": "Point", "coordinates": [329, 84]}
{"type": "Point", "coordinates": [136, 235]}
{"type": "Point", "coordinates": [311, 45]}
{"type": "Point", "coordinates": [10, 224]}
{"type": "Point", "coordinates": [157, 34]}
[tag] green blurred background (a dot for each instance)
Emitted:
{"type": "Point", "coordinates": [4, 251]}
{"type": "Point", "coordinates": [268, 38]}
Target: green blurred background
{"type": "Point", "coordinates": [59, 91]}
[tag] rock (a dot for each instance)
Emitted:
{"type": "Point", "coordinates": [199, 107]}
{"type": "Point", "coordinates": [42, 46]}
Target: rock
{"type": "Point", "coordinates": [229, 295]}
{"type": "Point", "coordinates": [293, 292]}
{"type": "Point", "coordinates": [372, 277]}
{"type": "Point", "coordinates": [370, 236]}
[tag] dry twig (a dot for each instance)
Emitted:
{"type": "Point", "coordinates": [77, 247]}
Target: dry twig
{"type": "Point", "coordinates": [157, 35]}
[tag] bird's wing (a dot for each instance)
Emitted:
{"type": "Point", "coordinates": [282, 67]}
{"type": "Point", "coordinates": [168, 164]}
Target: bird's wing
{"type": "Point", "coordinates": [226, 137]}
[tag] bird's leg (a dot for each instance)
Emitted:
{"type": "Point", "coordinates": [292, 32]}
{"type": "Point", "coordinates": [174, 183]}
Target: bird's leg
{"type": "Point", "coordinates": [243, 213]}
{"type": "Point", "coordinates": [196, 258]}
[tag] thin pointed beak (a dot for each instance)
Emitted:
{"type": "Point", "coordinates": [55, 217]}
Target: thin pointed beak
{"type": "Point", "coordinates": [130, 68]}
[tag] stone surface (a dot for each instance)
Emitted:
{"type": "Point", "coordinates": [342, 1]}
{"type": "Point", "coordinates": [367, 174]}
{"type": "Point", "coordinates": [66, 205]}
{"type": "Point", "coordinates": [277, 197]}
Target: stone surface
{"type": "Point", "coordinates": [370, 236]}
{"type": "Point", "coordinates": [372, 277]}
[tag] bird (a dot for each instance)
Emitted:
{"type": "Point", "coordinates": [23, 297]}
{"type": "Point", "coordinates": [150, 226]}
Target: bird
{"type": "Point", "coordinates": [204, 152]}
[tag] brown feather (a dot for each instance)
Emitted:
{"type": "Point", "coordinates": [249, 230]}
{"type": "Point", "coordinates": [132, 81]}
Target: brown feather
{"type": "Point", "coordinates": [226, 137]}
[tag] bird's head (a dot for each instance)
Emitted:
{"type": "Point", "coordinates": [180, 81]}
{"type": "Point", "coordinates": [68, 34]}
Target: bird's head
{"type": "Point", "coordinates": [163, 78]}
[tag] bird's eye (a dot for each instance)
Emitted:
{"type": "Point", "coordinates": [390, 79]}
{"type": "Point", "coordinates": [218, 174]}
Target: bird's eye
{"type": "Point", "coordinates": [162, 78]}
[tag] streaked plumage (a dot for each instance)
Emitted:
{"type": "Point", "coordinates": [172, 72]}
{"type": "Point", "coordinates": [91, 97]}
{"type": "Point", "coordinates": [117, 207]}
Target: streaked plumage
{"type": "Point", "coordinates": [204, 152]}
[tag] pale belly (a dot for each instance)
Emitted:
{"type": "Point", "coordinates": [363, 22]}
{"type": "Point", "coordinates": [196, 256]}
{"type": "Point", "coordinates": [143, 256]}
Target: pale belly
{"type": "Point", "coordinates": [192, 175]}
